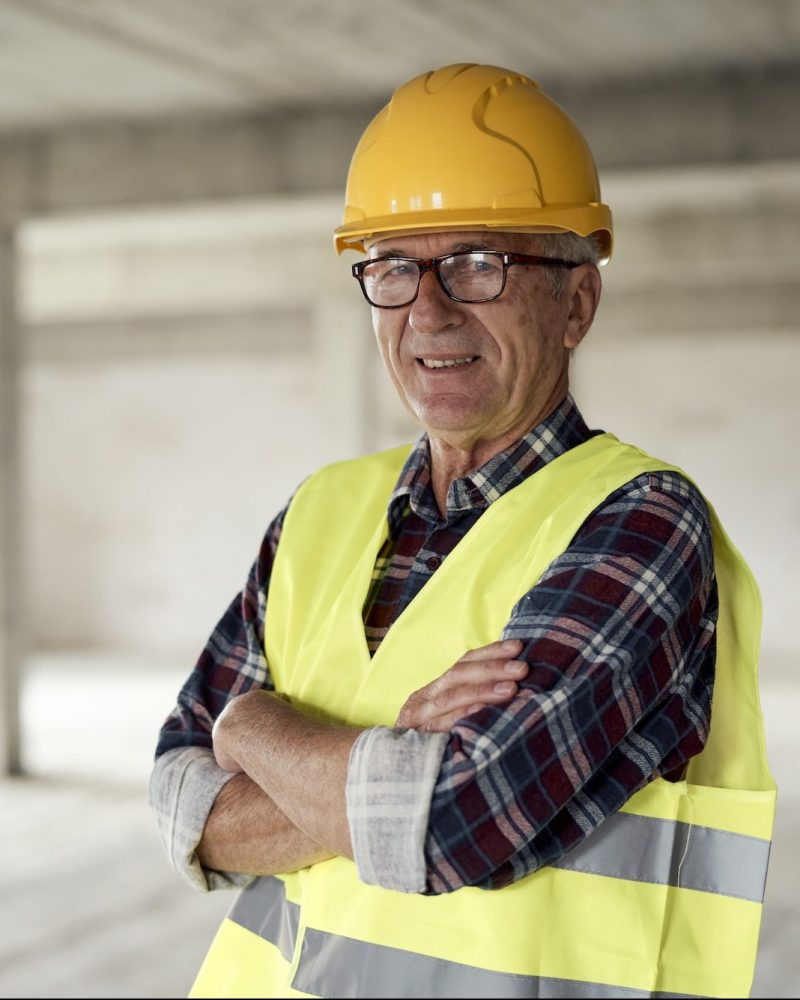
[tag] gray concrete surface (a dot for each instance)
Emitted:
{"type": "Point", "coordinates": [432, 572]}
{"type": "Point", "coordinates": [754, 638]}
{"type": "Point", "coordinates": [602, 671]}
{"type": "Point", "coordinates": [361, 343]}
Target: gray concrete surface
{"type": "Point", "coordinates": [90, 908]}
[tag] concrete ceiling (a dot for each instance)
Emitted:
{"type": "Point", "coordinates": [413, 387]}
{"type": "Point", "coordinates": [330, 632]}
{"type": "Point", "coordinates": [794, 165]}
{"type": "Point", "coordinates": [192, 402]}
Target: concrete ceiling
{"type": "Point", "coordinates": [65, 62]}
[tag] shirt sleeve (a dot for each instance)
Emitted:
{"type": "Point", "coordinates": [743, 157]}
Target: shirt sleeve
{"type": "Point", "coordinates": [183, 786]}
{"type": "Point", "coordinates": [619, 634]}
{"type": "Point", "coordinates": [185, 779]}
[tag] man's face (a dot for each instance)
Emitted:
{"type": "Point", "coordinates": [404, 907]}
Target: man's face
{"type": "Point", "coordinates": [519, 344]}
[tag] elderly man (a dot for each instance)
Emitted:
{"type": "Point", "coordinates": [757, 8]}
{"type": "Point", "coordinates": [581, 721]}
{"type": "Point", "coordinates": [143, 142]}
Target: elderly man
{"type": "Point", "coordinates": [454, 737]}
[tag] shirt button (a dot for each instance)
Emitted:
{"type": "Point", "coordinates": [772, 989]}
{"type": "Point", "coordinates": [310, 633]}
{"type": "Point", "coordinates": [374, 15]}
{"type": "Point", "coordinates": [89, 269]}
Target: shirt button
{"type": "Point", "coordinates": [433, 562]}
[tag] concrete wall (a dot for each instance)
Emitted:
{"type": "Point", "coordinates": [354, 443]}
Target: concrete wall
{"type": "Point", "coordinates": [185, 372]}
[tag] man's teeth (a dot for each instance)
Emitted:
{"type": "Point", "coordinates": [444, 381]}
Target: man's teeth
{"type": "Point", "coordinates": [429, 363]}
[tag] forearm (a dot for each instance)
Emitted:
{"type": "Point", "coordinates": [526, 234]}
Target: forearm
{"type": "Point", "coordinates": [246, 832]}
{"type": "Point", "coordinates": [299, 762]}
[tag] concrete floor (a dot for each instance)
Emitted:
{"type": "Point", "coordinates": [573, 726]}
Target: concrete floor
{"type": "Point", "coordinates": [90, 907]}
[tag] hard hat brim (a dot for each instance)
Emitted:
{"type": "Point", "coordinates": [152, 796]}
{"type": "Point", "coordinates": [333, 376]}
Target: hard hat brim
{"type": "Point", "coordinates": [585, 220]}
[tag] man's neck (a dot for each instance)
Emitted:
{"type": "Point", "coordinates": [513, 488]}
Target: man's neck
{"type": "Point", "coordinates": [452, 459]}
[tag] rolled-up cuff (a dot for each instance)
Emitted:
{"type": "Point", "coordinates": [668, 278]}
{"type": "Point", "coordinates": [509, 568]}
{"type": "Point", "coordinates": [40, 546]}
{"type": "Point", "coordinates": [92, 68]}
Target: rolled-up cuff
{"type": "Point", "coordinates": [390, 781]}
{"type": "Point", "coordinates": [184, 785]}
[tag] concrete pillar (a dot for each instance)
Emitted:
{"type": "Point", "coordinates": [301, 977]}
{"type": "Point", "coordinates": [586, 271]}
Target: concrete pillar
{"type": "Point", "coordinates": [11, 630]}
{"type": "Point", "coordinates": [344, 349]}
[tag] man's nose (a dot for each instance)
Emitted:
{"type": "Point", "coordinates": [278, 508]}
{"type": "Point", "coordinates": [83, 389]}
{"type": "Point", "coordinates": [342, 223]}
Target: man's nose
{"type": "Point", "coordinates": [433, 309]}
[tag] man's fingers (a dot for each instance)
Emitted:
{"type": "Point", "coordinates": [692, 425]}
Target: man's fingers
{"type": "Point", "coordinates": [486, 675]}
{"type": "Point", "coordinates": [476, 665]}
{"type": "Point", "coordinates": [445, 723]}
{"type": "Point", "coordinates": [454, 702]}
{"type": "Point", "coordinates": [454, 686]}
{"type": "Point", "coordinates": [506, 647]}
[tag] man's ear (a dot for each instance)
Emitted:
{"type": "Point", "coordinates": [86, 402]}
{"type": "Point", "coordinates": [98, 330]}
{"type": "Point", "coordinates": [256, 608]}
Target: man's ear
{"type": "Point", "coordinates": [582, 293]}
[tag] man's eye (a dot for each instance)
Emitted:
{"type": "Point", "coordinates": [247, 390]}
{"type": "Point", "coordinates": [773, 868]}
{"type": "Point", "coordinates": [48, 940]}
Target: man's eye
{"type": "Point", "coordinates": [399, 269]}
{"type": "Point", "coordinates": [482, 264]}
{"type": "Point", "coordinates": [390, 270]}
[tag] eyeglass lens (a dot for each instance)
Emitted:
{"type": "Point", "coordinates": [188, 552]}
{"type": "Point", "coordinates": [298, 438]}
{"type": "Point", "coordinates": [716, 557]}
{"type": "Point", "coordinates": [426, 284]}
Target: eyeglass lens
{"type": "Point", "coordinates": [471, 277]}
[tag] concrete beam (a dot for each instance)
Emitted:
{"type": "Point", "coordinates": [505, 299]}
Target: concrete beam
{"type": "Point", "coordinates": [732, 117]}
{"type": "Point", "coordinates": [236, 333]}
{"type": "Point", "coordinates": [166, 161]}
{"type": "Point", "coordinates": [742, 117]}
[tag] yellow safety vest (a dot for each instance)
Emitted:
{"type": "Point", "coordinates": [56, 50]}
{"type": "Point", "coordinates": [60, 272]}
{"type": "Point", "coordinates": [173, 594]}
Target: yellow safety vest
{"type": "Point", "coordinates": [664, 898]}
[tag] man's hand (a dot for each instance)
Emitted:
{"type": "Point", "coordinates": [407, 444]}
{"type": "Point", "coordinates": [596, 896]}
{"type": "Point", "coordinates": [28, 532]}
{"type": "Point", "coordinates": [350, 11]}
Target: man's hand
{"type": "Point", "coordinates": [485, 676]}
{"type": "Point", "coordinates": [220, 736]}
{"type": "Point", "coordinates": [227, 733]}
{"type": "Point", "coordinates": [299, 762]}
{"type": "Point", "coordinates": [247, 831]}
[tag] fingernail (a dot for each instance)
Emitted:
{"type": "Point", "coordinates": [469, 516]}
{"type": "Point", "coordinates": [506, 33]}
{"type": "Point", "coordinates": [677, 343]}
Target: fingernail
{"type": "Point", "coordinates": [474, 708]}
{"type": "Point", "coordinates": [514, 666]}
{"type": "Point", "coordinates": [504, 687]}
{"type": "Point", "coordinates": [510, 643]}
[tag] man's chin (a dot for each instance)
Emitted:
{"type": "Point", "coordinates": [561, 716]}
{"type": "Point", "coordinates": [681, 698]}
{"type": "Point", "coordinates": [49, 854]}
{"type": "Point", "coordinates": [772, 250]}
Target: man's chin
{"type": "Point", "coordinates": [451, 420]}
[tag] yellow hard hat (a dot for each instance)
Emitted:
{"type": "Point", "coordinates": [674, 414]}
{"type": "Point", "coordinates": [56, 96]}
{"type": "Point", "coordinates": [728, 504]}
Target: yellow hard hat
{"type": "Point", "coordinates": [471, 146]}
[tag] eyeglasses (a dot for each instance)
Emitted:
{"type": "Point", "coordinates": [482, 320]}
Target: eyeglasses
{"type": "Point", "coordinates": [468, 276]}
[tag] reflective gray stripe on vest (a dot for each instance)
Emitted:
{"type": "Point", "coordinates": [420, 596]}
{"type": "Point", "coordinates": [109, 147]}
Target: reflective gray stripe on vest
{"type": "Point", "coordinates": [643, 849]}
{"type": "Point", "coordinates": [625, 846]}
{"type": "Point", "coordinates": [262, 907]}
{"type": "Point", "coordinates": [333, 966]}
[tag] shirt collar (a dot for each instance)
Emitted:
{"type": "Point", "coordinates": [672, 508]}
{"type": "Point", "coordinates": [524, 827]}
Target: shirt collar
{"type": "Point", "coordinates": [563, 429]}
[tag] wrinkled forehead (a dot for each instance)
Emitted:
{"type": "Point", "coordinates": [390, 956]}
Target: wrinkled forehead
{"type": "Point", "coordinates": [434, 242]}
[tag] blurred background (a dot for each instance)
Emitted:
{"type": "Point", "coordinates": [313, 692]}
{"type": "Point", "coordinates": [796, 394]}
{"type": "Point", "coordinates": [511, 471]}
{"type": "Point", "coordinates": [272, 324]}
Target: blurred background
{"type": "Point", "coordinates": [180, 346]}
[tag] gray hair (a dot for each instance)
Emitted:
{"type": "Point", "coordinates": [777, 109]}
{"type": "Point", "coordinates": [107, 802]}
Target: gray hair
{"type": "Point", "coordinates": [567, 246]}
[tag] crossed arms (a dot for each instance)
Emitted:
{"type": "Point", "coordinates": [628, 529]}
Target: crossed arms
{"type": "Point", "coordinates": [286, 806]}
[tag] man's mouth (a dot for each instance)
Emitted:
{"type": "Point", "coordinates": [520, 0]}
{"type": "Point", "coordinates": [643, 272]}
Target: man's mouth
{"type": "Point", "coordinates": [448, 362]}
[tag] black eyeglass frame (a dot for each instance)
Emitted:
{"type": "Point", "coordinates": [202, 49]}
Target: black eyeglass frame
{"type": "Point", "coordinates": [433, 264]}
